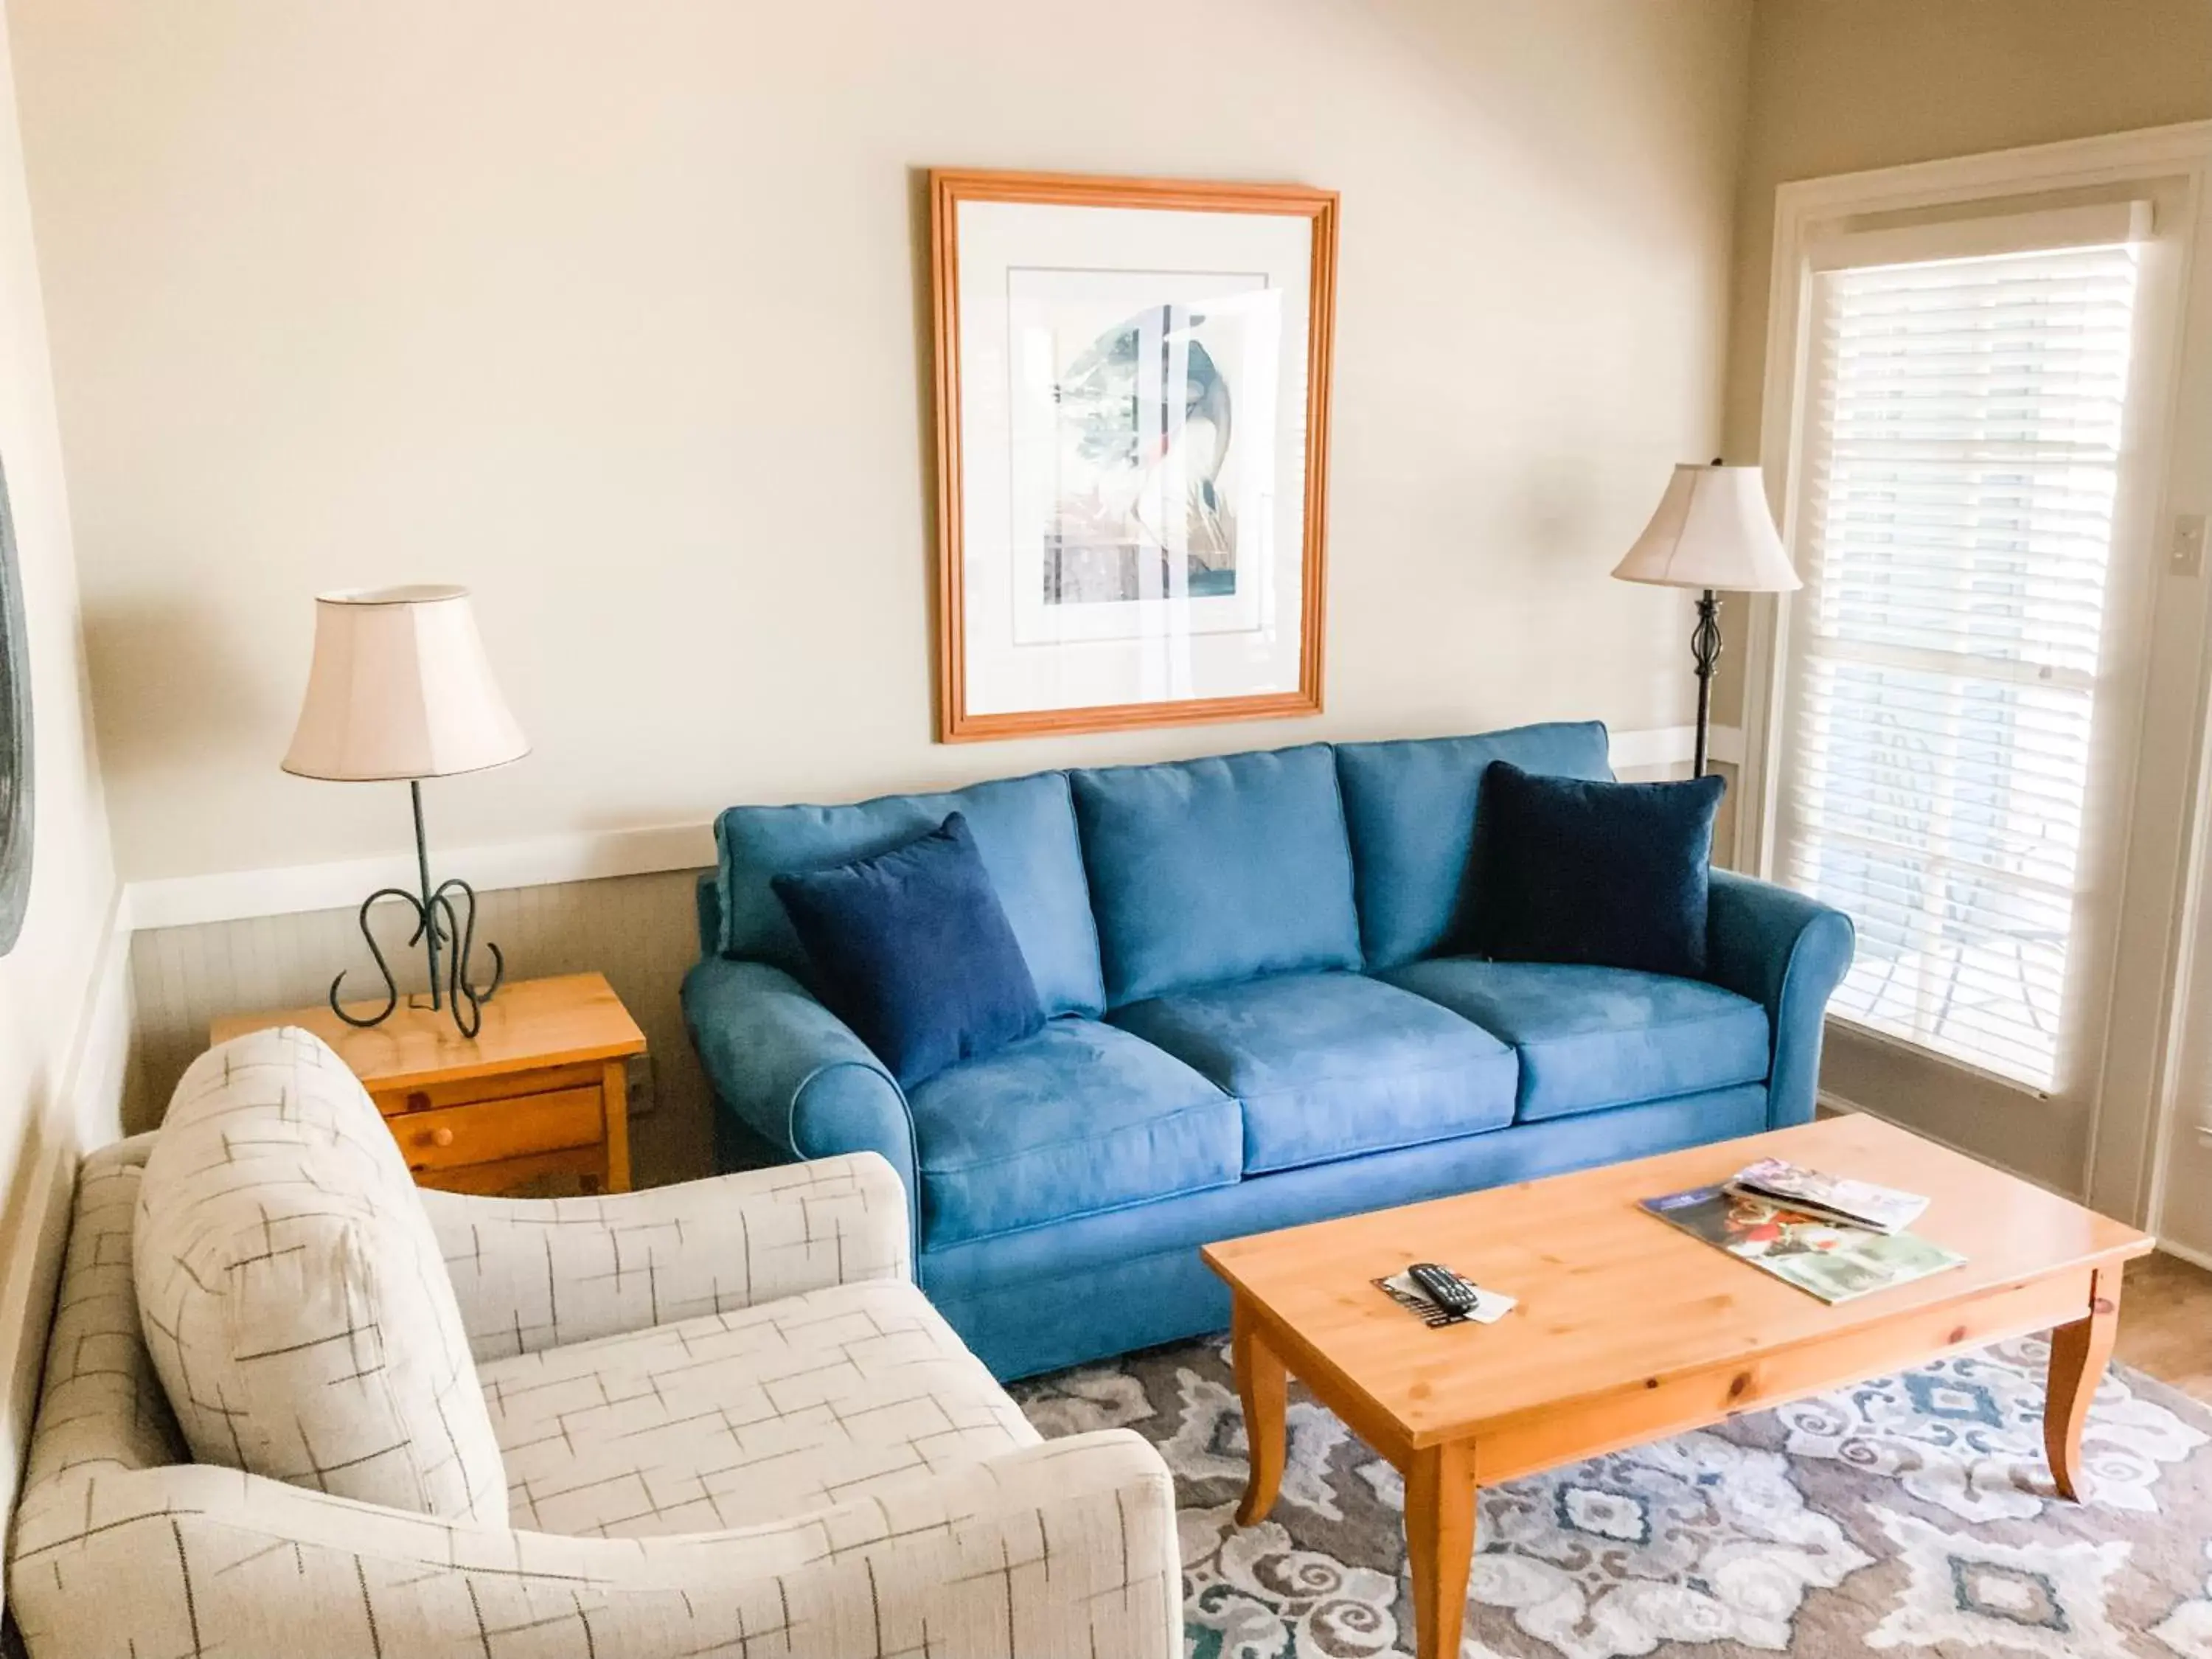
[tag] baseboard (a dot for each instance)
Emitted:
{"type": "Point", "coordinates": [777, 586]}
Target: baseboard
{"type": "Point", "coordinates": [84, 1109]}
{"type": "Point", "coordinates": [2193, 1257]}
{"type": "Point", "coordinates": [34, 1247]}
{"type": "Point", "coordinates": [237, 895]}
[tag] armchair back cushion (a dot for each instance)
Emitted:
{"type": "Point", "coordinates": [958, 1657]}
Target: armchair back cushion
{"type": "Point", "coordinates": [293, 1296]}
{"type": "Point", "coordinates": [1410, 806]}
{"type": "Point", "coordinates": [1208, 870]}
{"type": "Point", "coordinates": [1024, 828]}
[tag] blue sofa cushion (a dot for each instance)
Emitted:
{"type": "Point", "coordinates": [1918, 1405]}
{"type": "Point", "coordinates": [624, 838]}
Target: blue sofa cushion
{"type": "Point", "coordinates": [1331, 1065]}
{"type": "Point", "coordinates": [1612, 875]}
{"type": "Point", "coordinates": [1023, 827]}
{"type": "Point", "coordinates": [1208, 870]}
{"type": "Point", "coordinates": [1411, 807]}
{"type": "Point", "coordinates": [913, 952]}
{"type": "Point", "coordinates": [1594, 1037]}
{"type": "Point", "coordinates": [1078, 1118]}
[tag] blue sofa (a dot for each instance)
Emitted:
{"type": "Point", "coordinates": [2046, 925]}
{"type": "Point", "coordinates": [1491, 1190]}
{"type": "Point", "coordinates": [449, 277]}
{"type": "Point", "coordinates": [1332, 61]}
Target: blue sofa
{"type": "Point", "coordinates": [1256, 1020]}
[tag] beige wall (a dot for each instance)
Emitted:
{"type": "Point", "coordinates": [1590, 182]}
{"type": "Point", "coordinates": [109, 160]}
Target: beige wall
{"type": "Point", "coordinates": [615, 312]}
{"type": "Point", "coordinates": [59, 1068]}
{"type": "Point", "coordinates": [1842, 88]}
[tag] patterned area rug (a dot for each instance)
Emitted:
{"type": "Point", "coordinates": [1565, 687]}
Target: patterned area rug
{"type": "Point", "coordinates": [1912, 1515]}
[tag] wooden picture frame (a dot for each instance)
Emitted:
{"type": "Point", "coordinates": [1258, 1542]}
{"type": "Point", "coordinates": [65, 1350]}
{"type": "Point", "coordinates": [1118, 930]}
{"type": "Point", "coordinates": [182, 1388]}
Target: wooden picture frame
{"type": "Point", "coordinates": [1178, 591]}
{"type": "Point", "coordinates": [18, 820]}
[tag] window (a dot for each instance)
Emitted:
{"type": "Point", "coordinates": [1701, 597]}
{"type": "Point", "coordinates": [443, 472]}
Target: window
{"type": "Point", "coordinates": [1960, 458]}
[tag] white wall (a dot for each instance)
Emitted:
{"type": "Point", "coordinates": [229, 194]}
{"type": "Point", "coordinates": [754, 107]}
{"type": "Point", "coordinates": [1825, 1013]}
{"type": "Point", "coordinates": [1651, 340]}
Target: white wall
{"type": "Point", "coordinates": [616, 313]}
{"type": "Point", "coordinates": [62, 999]}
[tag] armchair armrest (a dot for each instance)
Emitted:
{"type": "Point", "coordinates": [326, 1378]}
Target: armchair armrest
{"type": "Point", "coordinates": [1068, 1549]}
{"type": "Point", "coordinates": [791, 1070]}
{"type": "Point", "coordinates": [532, 1275]}
{"type": "Point", "coordinates": [1788, 953]}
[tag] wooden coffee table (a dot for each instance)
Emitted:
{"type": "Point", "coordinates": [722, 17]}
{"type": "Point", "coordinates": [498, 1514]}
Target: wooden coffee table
{"type": "Point", "coordinates": [1629, 1330]}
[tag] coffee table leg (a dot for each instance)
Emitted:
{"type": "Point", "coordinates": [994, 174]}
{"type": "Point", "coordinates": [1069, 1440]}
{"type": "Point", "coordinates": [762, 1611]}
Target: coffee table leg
{"type": "Point", "coordinates": [1264, 1386]}
{"type": "Point", "coordinates": [1440, 1544]}
{"type": "Point", "coordinates": [2078, 1354]}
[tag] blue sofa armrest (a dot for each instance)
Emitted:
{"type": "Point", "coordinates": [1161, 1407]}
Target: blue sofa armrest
{"type": "Point", "coordinates": [1788, 953]}
{"type": "Point", "coordinates": [792, 1071]}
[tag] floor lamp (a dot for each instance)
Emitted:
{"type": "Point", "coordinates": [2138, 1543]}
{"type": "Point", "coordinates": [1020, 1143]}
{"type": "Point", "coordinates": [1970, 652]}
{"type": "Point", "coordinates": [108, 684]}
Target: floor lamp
{"type": "Point", "coordinates": [1711, 532]}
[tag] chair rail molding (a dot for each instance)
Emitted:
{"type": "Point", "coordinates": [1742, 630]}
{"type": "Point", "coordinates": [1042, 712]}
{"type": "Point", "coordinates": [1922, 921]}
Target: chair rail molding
{"type": "Point", "coordinates": [588, 855]}
{"type": "Point", "coordinates": [291, 889]}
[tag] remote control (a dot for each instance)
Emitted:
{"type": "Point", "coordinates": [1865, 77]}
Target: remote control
{"type": "Point", "coordinates": [1444, 1287]}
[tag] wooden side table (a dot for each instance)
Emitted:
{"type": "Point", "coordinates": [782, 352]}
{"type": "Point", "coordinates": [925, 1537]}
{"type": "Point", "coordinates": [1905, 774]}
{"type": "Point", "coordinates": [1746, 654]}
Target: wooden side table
{"type": "Point", "coordinates": [541, 1090]}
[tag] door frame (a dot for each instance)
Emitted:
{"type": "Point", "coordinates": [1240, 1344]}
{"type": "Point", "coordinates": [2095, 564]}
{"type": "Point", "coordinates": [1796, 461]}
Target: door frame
{"type": "Point", "coordinates": [2134, 1092]}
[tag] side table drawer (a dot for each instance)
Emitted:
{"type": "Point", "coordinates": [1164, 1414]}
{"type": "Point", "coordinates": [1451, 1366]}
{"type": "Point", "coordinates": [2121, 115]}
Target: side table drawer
{"type": "Point", "coordinates": [466, 1091]}
{"type": "Point", "coordinates": [492, 1130]}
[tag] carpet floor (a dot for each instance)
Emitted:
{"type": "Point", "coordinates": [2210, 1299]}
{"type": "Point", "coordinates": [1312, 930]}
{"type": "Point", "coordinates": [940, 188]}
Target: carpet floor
{"type": "Point", "coordinates": [1912, 1515]}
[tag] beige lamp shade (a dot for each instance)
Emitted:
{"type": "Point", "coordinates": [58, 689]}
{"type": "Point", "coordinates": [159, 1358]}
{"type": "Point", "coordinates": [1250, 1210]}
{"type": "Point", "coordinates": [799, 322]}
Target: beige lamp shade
{"type": "Point", "coordinates": [1711, 530]}
{"type": "Point", "coordinates": [400, 688]}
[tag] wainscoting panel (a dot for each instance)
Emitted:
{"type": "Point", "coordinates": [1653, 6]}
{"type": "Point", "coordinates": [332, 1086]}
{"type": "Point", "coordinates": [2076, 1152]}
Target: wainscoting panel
{"type": "Point", "coordinates": [636, 929]}
{"type": "Point", "coordinates": [636, 926]}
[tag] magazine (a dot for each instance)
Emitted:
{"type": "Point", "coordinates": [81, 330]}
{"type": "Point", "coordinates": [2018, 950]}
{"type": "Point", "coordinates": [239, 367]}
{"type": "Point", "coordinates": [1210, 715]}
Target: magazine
{"type": "Point", "coordinates": [1884, 1209]}
{"type": "Point", "coordinates": [1831, 1261]}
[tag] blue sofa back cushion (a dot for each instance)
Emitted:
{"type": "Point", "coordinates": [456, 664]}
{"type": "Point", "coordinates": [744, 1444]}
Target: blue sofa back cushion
{"type": "Point", "coordinates": [1206, 871]}
{"type": "Point", "coordinates": [1023, 827]}
{"type": "Point", "coordinates": [1613, 875]}
{"type": "Point", "coordinates": [912, 951]}
{"type": "Point", "coordinates": [1410, 806]}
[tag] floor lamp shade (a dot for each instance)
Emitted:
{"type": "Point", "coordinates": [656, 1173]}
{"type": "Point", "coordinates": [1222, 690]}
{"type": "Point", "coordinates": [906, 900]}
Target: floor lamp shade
{"type": "Point", "coordinates": [1711, 532]}
{"type": "Point", "coordinates": [400, 688]}
{"type": "Point", "coordinates": [1712, 529]}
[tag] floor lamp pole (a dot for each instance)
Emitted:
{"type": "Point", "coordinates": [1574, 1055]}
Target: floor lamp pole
{"type": "Point", "coordinates": [1705, 651]}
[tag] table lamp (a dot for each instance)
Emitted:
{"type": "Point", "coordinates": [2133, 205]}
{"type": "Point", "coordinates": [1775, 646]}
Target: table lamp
{"type": "Point", "coordinates": [400, 688]}
{"type": "Point", "coordinates": [1711, 532]}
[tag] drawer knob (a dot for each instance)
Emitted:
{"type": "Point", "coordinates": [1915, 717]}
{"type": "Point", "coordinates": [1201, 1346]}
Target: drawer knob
{"type": "Point", "coordinates": [442, 1136]}
{"type": "Point", "coordinates": [417, 1101]}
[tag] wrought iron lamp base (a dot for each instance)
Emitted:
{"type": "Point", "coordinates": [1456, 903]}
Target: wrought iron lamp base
{"type": "Point", "coordinates": [1705, 652]}
{"type": "Point", "coordinates": [445, 923]}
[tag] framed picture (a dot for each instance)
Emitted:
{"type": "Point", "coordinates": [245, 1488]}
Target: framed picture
{"type": "Point", "coordinates": [1132, 449]}
{"type": "Point", "coordinates": [16, 817]}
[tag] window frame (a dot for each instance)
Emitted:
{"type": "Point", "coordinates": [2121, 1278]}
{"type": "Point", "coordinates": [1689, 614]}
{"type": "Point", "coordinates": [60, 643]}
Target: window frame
{"type": "Point", "coordinates": [1966, 242]}
{"type": "Point", "coordinates": [2132, 1091]}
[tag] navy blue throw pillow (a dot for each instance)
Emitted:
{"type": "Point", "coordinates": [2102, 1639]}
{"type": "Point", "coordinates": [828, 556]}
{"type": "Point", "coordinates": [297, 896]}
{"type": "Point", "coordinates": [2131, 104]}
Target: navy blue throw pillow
{"type": "Point", "coordinates": [1612, 875]}
{"type": "Point", "coordinates": [912, 950]}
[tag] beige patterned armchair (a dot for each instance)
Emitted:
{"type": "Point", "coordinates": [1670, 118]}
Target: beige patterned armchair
{"type": "Point", "coordinates": [730, 1425]}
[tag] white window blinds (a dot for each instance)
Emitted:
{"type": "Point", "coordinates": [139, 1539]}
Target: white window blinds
{"type": "Point", "coordinates": [1960, 462]}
